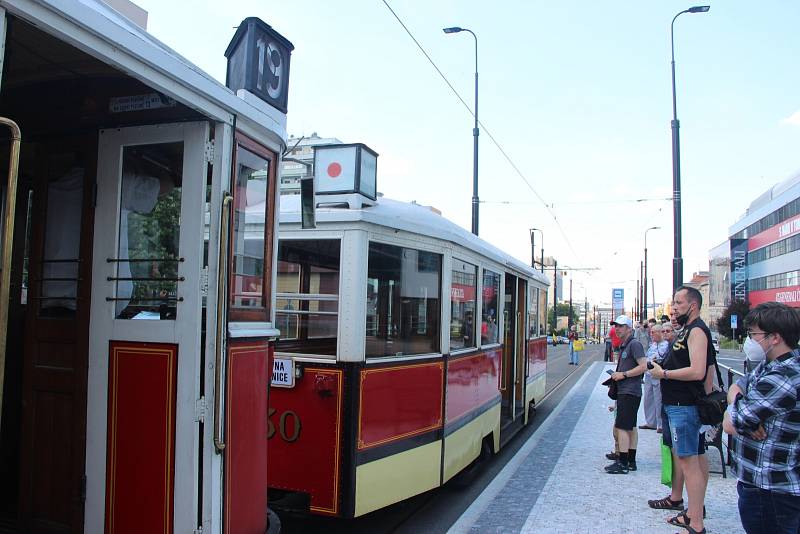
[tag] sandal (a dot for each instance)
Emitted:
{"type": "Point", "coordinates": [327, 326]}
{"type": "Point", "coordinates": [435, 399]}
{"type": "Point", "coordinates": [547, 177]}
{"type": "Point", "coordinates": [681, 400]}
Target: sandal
{"type": "Point", "coordinates": [666, 504]}
{"type": "Point", "coordinates": [693, 531]}
{"type": "Point", "coordinates": [681, 520]}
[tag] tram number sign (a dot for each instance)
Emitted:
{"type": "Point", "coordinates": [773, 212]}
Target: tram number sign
{"type": "Point", "coordinates": [288, 425]}
{"type": "Point", "coordinates": [283, 372]}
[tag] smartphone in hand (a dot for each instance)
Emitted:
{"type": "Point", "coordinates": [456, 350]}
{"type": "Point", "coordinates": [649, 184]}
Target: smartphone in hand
{"type": "Point", "coordinates": [649, 365]}
{"type": "Point", "coordinates": [609, 371]}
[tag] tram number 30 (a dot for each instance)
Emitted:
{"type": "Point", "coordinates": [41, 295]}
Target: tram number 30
{"type": "Point", "coordinates": [284, 425]}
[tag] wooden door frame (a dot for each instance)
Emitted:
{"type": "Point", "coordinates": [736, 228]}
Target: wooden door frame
{"type": "Point", "coordinates": [87, 144]}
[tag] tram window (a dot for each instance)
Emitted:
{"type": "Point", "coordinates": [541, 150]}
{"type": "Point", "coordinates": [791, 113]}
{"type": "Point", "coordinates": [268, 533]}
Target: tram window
{"type": "Point", "coordinates": [463, 295]}
{"type": "Point", "coordinates": [149, 230]}
{"type": "Point", "coordinates": [307, 305]}
{"type": "Point", "coordinates": [491, 290]}
{"type": "Point", "coordinates": [250, 208]}
{"type": "Point", "coordinates": [62, 243]}
{"type": "Point", "coordinates": [533, 312]}
{"type": "Point", "coordinates": [542, 312]}
{"type": "Point", "coordinates": [403, 301]}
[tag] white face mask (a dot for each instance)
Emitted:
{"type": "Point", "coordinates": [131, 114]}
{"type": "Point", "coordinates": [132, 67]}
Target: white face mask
{"type": "Point", "coordinates": [754, 351]}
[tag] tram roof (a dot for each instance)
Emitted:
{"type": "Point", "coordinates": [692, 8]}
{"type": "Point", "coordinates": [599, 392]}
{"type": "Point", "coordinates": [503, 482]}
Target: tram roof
{"type": "Point", "coordinates": [409, 217]}
{"type": "Point", "coordinates": [97, 29]}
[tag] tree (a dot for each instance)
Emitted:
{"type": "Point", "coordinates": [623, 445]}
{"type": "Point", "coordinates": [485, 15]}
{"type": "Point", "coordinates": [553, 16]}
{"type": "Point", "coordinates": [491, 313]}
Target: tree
{"type": "Point", "coordinates": [563, 311]}
{"type": "Point", "coordinates": [740, 309]}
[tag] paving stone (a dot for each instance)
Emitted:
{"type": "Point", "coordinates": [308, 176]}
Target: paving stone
{"type": "Point", "coordinates": [559, 486]}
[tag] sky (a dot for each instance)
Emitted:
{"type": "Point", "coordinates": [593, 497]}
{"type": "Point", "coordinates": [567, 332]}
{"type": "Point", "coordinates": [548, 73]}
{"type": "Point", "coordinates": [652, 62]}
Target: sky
{"type": "Point", "coordinates": [577, 94]}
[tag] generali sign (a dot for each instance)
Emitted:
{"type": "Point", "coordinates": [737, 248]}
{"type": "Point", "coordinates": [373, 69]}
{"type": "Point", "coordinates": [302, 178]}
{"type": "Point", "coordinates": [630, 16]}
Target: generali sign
{"type": "Point", "coordinates": [776, 233]}
{"type": "Point", "coordinates": [787, 295]}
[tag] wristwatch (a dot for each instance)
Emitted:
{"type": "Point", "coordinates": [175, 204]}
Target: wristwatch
{"type": "Point", "coordinates": [625, 374]}
{"type": "Point", "coordinates": [665, 374]}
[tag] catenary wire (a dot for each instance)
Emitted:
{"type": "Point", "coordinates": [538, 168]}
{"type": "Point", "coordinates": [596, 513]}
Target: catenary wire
{"type": "Point", "coordinates": [486, 130]}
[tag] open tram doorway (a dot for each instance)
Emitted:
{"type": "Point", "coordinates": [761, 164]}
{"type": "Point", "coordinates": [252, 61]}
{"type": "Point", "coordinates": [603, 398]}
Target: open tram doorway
{"type": "Point", "coordinates": [62, 100]}
{"type": "Point", "coordinates": [512, 380]}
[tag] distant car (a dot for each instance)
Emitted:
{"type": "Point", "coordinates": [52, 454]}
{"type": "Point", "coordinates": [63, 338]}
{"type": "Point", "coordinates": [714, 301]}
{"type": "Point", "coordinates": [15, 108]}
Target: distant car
{"type": "Point", "coordinates": [549, 340]}
{"type": "Point", "coordinates": [563, 339]}
{"type": "Point", "coordinates": [715, 342]}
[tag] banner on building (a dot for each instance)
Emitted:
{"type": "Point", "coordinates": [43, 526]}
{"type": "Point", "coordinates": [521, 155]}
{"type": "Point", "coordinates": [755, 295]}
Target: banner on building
{"type": "Point", "coordinates": [738, 269]}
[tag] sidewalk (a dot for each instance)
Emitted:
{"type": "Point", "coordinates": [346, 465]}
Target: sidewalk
{"type": "Point", "coordinates": [556, 482]}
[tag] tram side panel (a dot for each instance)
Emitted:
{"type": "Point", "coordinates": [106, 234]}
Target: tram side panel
{"type": "Point", "coordinates": [472, 408]}
{"type": "Point", "coordinates": [306, 437]}
{"type": "Point", "coordinates": [398, 440]}
{"type": "Point", "coordinates": [537, 370]}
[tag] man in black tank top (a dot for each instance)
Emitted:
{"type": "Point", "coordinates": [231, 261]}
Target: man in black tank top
{"type": "Point", "coordinates": [682, 383]}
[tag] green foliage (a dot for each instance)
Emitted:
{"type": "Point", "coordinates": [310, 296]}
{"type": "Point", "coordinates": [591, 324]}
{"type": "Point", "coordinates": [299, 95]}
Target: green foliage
{"type": "Point", "coordinates": [155, 235]}
{"type": "Point", "coordinates": [563, 311]}
{"type": "Point", "coordinates": [739, 308]}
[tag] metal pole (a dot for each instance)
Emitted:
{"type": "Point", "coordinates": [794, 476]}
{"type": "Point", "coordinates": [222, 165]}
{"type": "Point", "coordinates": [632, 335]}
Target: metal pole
{"type": "Point", "coordinates": [642, 290]}
{"type": "Point", "coordinates": [569, 317]}
{"type": "Point", "coordinates": [585, 317]}
{"type": "Point", "coordinates": [533, 254]}
{"type": "Point", "coordinates": [677, 260]}
{"type": "Point", "coordinates": [653, 287]}
{"type": "Point", "coordinates": [475, 134]}
{"type": "Point", "coordinates": [555, 295]}
{"type": "Point", "coordinates": [645, 280]}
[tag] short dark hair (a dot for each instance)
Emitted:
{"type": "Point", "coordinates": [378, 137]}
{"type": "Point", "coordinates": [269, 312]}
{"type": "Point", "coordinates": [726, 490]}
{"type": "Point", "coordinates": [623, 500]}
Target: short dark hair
{"type": "Point", "coordinates": [665, 318]}
{"type": "Point", "coordinates": [652, 320]}
{"type": "Point", "coordinates": [776, 318]}
{"type": "Point", "coordinates": [692, 294]}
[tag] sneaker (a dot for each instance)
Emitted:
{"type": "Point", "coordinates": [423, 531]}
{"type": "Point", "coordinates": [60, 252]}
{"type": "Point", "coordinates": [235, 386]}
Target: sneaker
{"type": "Point", "coordinates": [631, 466]}
{"type": "Point", "coordinates": [612, 456]}
{"type": "Point", "coordinates": [617, 469]}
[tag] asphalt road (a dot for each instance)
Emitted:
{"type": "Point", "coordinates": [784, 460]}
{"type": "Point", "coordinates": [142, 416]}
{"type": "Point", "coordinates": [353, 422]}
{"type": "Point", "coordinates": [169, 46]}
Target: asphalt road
{"type": "Point", "coordinates": [436, 510]}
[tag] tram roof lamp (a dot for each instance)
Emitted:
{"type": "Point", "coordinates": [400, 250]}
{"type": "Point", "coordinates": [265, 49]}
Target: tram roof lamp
{"type": "Point", "coordinates": [454, 29]}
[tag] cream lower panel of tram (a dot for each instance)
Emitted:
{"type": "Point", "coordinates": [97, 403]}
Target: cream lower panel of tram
{"type": "Point", "coordinates": [397, 477]}
{"type": "Point", "coordinates": [463, 446]}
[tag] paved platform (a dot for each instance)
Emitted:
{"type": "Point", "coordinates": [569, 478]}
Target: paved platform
{"type": "Point", "coordinates": [556, 482]}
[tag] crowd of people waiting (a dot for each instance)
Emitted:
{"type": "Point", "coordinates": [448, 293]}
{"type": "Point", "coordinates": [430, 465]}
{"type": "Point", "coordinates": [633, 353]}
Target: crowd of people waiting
{"type": "Point", "coordinates": [675, 360]}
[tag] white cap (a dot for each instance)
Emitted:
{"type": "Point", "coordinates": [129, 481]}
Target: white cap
{"type": "Point", "coordinates": [623, 320]}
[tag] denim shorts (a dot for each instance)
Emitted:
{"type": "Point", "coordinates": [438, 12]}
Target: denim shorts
{"type": "Point", "coordinates": [682, 430]}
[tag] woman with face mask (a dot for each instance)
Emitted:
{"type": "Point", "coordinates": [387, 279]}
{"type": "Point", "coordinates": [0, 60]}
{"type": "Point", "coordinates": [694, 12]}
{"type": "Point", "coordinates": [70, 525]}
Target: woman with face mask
{"type": "Point", "coordinates": [764, 417]}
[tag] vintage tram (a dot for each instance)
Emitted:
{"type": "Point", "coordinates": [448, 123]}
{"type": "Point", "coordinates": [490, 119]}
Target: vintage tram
{"type": "Point", "coordinates": [136, 319]}
{"type": "Point", "coordinates": [409, 347]}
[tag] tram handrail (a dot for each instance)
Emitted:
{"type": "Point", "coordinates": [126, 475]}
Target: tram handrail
{"type": "Point", "coordinates": [222, 298]}
{"type": "Point", "coordinates": [8, 240]}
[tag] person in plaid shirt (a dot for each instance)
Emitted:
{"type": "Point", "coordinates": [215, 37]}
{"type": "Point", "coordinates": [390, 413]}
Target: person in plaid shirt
{"type": "Point", "coordinates": [764, 417]}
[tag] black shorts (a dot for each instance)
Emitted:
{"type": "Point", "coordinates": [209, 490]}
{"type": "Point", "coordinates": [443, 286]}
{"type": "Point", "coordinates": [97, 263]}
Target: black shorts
{"type": "Point", "coordinates": [627, 407]}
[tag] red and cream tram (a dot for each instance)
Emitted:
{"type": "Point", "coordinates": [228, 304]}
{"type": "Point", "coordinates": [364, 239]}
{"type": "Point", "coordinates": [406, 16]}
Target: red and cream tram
{"type": "Point", "coordinates": [136, 310]}
{"type": "Point", "coordinates": [409, 348]}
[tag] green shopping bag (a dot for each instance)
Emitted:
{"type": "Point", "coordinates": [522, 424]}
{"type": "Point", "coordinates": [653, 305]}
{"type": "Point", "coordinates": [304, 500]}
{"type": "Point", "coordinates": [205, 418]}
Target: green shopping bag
{"type": "Point", "coordinates": [666, 465]}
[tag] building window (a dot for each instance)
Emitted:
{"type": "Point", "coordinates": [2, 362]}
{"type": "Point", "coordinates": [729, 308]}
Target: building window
{"type": "Point", "coordinates": [491, 292]}
{"type": "Point", "coordinates": [403, 301]}
{"type": "Point", "coordinates": [463, 302]}
{"type": "Point", "coordinates": [307, 305]}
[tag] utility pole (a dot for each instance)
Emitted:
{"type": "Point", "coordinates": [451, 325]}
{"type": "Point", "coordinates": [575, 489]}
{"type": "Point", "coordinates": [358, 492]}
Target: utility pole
{"type": "Point", "coordinates": [569, 317]}
{"type": "Point", "coordinates": [555, 296]}
{"type": "Point", "coordinates": [585, 317]}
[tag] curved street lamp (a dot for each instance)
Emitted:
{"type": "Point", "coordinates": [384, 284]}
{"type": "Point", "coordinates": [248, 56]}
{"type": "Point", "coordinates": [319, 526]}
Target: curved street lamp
{"type": "Point", "coordinates": [677, 261]}
{"type": "Point", "coordinates": [475, 202]}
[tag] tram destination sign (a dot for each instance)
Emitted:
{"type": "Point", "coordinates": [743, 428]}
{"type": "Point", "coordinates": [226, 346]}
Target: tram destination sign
{"type": "Point", "coordinates": [283, 372]}
{"type": "Point", "coordinates": [258, 62]}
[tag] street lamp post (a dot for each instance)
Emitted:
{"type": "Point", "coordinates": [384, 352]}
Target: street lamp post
{"type": "Point", "coordinates": [645, 269]}
{"type": "Point", "coordinates": [533, 253]}
{"type": "Point", "coordinates": [475, 202]}
{"type": "Point", "coordinates": [677, 260]}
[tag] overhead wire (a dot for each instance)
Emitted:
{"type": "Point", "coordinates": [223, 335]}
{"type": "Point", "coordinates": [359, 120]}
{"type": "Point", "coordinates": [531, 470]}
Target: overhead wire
{"type": "Point", "coordinates": [485, 129]}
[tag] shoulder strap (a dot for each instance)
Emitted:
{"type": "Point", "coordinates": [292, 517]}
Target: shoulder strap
{"type": "Point", "coordinates": [719, 377]}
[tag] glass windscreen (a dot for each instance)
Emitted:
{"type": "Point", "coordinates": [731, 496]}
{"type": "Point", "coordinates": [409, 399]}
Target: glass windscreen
{"type": "Point", "coordinates": [149, 230]}
{"type": "Point", "coordinates": [463, 299]}
{"type": "Point", "coordinates": [491, 290]}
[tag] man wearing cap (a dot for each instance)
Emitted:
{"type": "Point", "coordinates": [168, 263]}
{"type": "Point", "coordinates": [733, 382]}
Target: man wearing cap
{"type": "Point", "coordinates": [628, 376]}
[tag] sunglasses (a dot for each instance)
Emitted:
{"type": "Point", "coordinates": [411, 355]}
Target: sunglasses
{"type": "Point", "coordinates": [751, 334]}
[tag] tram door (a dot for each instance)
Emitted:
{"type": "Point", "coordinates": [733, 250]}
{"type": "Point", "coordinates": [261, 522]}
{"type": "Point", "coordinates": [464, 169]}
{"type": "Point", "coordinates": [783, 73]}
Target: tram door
{"type": "Point", "coordinates": [51, 292]}
{"type": "Point", "coordinates": [509, 348]}
{"type": "Point", "coordinates": [145, 331]}
{"type": "Point", "coordinates": [519, 347]}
